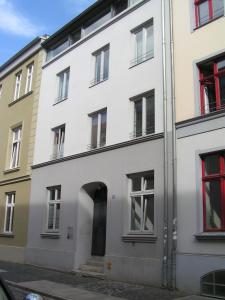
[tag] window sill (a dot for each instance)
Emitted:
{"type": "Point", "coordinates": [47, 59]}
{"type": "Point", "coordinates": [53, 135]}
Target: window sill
{"type": "Point", "coordinates": [11, 170]}
{"type": "Point", "coordinates": [20, 98]}
{"type": "Point", "coordinates": [50, 235]}
{"type": "Point", "coordinates": [59, 101]}
{"type": "Point", "coordinates": [210, 236]}
{"type": "Point", "coordinates": [141, 62]}
{"type": "Point", "coordinates": [7, 235]}
{"type": "Point", "coordinates": [139, 238]}
{"type": "Point", "coordinates": [210, 21]}
{"type": "Point", "coordinates": [97, 83]}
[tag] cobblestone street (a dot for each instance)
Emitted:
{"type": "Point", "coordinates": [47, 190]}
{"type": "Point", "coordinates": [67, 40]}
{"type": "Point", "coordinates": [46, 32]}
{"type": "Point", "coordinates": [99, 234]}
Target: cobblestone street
{"type": "Point", "coordinates": [18, 273]}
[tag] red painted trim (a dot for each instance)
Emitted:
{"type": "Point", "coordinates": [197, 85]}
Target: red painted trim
{"type": "Point", "coordinates": [217, 86]}
{"type": "Point", "coordinates": [210, 9]}
{"type": "Point", "coordinates": [202, 95]}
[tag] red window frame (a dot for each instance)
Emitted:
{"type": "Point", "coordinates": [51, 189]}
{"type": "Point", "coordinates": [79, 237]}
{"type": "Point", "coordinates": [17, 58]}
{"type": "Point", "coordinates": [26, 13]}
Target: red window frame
{"type": "Point", "coordinates": [211, 12]}
{"type": "Point", "coordinates": [214, 177]}
{"type": "Point", "coordinates": [215, 77]}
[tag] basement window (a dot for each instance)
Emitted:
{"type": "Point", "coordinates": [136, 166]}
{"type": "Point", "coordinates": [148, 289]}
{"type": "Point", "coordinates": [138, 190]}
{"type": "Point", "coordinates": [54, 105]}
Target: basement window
{"type": "Point", "coordinates": [213, 284]}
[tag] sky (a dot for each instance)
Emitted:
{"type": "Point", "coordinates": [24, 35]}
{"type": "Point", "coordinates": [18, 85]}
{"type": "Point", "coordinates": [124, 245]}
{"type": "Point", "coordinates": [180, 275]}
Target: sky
{"type": "Point", "coordinates": [22, 20]}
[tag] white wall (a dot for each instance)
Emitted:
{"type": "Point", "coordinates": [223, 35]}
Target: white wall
{"type": "Point", "coordinates": [114, 93]}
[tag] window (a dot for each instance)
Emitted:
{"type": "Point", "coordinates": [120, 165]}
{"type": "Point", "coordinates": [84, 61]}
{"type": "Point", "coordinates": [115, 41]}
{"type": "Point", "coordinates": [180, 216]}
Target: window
{"type": "Point", "coordinates": [61, 46]}
{"type": "Point", "coordinates": [213, 284]}
{"type": "Point", "coordinates": [144, 115]}
{"type": "Point", "coordinates": [213, 186]}
{"type": "Point", "coordinates": [15, 151]}
{"type": "Point", "coordinates": [97, 21]}
{"type": "Point", "coordinates": [9, 212]}
{"type": "Point", "coordinates": [143, 43]}
{"type": "Point", "coordinates": [30, 69]}
{"type": "Point", "coordinates": [0, 91]}
{"type": "Point", "coordinates": [101, 65]}
{"type": "Point", "coordinates": [207, 10]}
{"type": "Point", "coordinates": [63, 83]}
{"type": "Point", "coordinates": [142, 202]}
{"type": "Point", "coordinates": [17, 86]}
{"type": "Point", "coordinates": [212, 85]}
{"type": "Point", "coordinates": [132, 2]}
{"type": "Point", "coordinates": [54, 198]}
{"type": "Point", "coordinates": [98, 129]}
{"type": "Point", "coordinates": [59, 139]}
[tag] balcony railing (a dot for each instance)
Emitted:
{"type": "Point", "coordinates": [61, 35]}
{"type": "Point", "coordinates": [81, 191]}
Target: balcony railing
{"type": "Point", "coordinates": [98, 80]}
{"type": "Point", "coordinates": [140, 133]}
{"type": "Point", "coordinates": [140, 59]}
{"type": "Point", "coordinates": [212, 107]}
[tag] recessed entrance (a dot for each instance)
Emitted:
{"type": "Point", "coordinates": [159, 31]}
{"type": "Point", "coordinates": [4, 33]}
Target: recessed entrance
{"type": "Point", "coordinates": [99, 221]}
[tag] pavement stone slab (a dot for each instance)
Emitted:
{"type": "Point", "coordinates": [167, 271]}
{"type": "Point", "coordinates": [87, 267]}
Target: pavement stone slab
{"type": "Point", "coordinates": [195, 297]}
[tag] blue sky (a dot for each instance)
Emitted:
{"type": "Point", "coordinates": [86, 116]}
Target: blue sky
{"type": "Point", "coordinates": [22, 20]}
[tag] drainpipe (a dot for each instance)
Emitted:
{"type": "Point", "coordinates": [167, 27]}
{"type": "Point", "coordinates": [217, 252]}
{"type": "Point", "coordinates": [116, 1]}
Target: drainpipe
{"type": "Point", "coordinates": [169, 226]}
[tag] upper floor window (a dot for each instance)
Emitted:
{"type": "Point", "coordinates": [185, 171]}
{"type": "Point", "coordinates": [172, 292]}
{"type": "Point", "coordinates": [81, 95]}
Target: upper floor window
{"type": "Point", "coordinates": [63, 85]}
{"type": "Point", "coordinates": [9, 212]}
{"type": "Point", "coordinates": [213, 186]}
{"type": "Point", "coordinates": [98, 20]}
{"type": "Point", "coordinates": [17, 86]}
{"type": "Point", "coordinates": [143, 43]}
{"type": "Point", "coordinates": [55, 50]}
{"type": "Point", "coordinates": [54, 203]}
{"type": "Point", "coordinates": [15, 150]}
{"type": "Point", "coordinates": [30, 70]}
{"type": "Point", "coordinates": [207, 10]}
{"type": "Point", "coordinates": [101, 69]}
{"type": "Point", "coordinates": [212, 85]}
{"type": "Point", "coordinates": [98, 129]}
{"type": "Point", "coordinates": [144, 114]}
{"type": "Point", "coordinates": [142, 202]}
{"type": "Point", "coordinates": [59, 139]}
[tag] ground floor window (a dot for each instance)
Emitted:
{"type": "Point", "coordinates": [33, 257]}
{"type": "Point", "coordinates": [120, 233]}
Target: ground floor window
{"type": "Point", "coordinates": [142, 202]}
{"type": "Point", "coordinates": [213, 187]}
{"type": "Point", "coordinates": [9, 212]}
{"type": "Point", "coordinates": [54, 204]}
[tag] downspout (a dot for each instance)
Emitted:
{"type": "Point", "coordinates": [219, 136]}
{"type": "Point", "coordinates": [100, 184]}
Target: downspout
{"type": "Point", "coordinates": [170, 214]}
{"type": "Point", "coordinates": [174, 242]}
{"type": "Point", "coordinates": [165, 203]}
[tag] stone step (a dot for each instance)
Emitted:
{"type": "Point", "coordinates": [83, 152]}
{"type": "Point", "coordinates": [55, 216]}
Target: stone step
{"type": "Point", "coordinates": [92, 268]}
{"type": "Point", "coordinates": [90, 274]}
{"type": "Point", "coordinates": [94, 262]}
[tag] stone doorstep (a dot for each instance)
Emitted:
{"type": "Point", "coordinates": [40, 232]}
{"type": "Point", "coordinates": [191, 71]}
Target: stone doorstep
{"type": "Point", "coordinates": [60, 291]}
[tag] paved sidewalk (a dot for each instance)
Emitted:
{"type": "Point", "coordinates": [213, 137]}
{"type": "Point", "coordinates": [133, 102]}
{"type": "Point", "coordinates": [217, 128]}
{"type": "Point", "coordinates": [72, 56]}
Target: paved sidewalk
{"type": "Point", "coordinates": [56, 284]}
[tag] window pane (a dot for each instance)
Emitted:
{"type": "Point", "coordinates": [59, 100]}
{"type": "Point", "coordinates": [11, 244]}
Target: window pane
{"type": "Point", "coordinates": [210, 95]}
{"type": "Point", "coordinates": [100, 20]}
{"type": "Point", "coordinates": [119, 6]}
{"type": "Point", "coordinates": [136, 184]}
{"type": "Point", "coordinates": [207, 289]}
{"type": "Point", "coordinates": [148, 212]}
{"type": "Point", "coordinates": [220, 277]}
{"type": "Point", "coordinates": [136, 213]}
{"type": "Point", "coordinates": [149, 182]}
{"type": "Point", "coordinates": [50, 216]}
{"type": "Point", "coordinates": [103, 129]}
{"type": "Point", "coordinates": [75, 36]}
{"type": "Point", "coordinates": [94, 131]}
{"type": "Point", "coordinates": [220, 291]}
{"type": "Point", "coordinates": [213, 205]}
{"type": "Point", "coordinates": [222, 91]}
{"type": "Point", "coordinates": [139, 45]}
{"type": "Point", "coordinates": [8, 214]}
{"type": "Point", "coordinates": [61, 81]}
{"type": "Point", "coordinates": [58, 194]}
{"type": "Point", "coordinates": [217, 8]}
{"type": "Point", "coordinates": [212, 165]}
{"type": "Point", "coordinates": [150, 41]}
{"type": "Point", "coordinates": [138, 118]}
{"type": "Point", "coordinates": [150, 115]}
{"type": "Point", "coordinates": [106, 64]}
{"type": "Point", "coordinates": [203, 13]}
{"type": "Point", "coordinates": [98, 67]}
{"type": "Point", "coordinates": [208, 278]}
{"type": "Point", "coordinates": [57, 216]}
{"type": "Point", "coordinates": [52, 194]}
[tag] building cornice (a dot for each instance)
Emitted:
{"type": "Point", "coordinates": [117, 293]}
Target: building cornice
{"type": "Point", "coordinates": [15, 180]}
{"type": "Point", "coordinates": [101, 150]}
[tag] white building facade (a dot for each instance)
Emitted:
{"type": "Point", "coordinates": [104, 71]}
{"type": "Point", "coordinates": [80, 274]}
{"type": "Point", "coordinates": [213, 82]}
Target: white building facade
{"type": "Point", "coordinates": [99, 167]}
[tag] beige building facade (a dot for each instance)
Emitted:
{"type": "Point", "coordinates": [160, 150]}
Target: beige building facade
{"type": "Point", "coordinates": [20, 78]}
{"type": "Point", "coordinates": [199, 58]}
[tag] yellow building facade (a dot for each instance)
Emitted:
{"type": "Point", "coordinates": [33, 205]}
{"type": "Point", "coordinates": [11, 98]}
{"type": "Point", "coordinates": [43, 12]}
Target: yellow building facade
{"type": "Point", "coordinates": [20, 79]}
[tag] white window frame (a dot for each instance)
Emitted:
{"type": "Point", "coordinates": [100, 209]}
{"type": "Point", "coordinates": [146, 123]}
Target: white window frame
{"type": "Point", "coordinates": [30, 70]}
{"type": "Point", "coordinates": [15, 148]}
{"type": "Point", "coordinates": [142, 193]}
{"type": "Point", "coordinates": [145, 54]}
{"type": "Point", "coordinates": [100, 52]}
{"type": "Point", "coordinates": [58, 148]}
{"type": "Point", "coordinates": [54, 202]}
{"type": "Point", "coordinates": [99, 115]}
{"type": "Point", "coordinates": [63, 85]}
{"type": "Point", "coordinates": [11, 206]}
{"type": "Point", "coordinates": [17, 86]}
{"type": "Point", "coordinates": [142, 98]}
